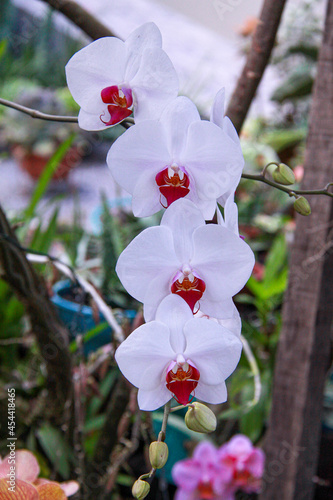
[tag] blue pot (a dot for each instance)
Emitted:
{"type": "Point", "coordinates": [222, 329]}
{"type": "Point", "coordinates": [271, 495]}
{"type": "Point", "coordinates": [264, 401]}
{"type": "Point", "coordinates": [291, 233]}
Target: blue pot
{"type": "Point", "coordinates": [79, 318]}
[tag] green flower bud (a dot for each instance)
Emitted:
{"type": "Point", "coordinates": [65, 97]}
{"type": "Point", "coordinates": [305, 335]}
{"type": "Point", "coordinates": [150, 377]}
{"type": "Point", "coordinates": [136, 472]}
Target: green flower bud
{"type": "Point", "coordinates": [140, 489]}
{"type": "Point", "coordinates": [302, 206]}
{"type": "Point", "coordinates": [284, 175]}
{"type": "Point", "coordinates": [200, 418]}
{"type": "Point", "coordinates": [158, 454]}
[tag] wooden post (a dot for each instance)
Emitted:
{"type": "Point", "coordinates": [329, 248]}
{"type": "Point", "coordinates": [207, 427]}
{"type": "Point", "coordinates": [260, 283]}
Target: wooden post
{"type": "Point", "coordinates": [304, 354]}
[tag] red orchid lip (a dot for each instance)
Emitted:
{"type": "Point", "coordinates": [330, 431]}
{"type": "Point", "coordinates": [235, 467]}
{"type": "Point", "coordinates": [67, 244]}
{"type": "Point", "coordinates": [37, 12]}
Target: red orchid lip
{"type": "Point", "coordinates": [190, 291]}
{"type": "Point", "coordinates": [182, 382]}
{"type": "Point", "coordinates": [119, 101]}
{"type": "Point", "coordinates": [172, 186]}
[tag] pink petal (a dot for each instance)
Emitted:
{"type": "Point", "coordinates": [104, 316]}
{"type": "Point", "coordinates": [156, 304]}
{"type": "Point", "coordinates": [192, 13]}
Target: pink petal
{"type": "Point", "coordinates": [205, 452]}
{"type": "Point", "coordinates": [255, 463]}
{"type": "Point", "coordinates": [187, 474]}
{"type": "Point", "coordinates": [26, 466]}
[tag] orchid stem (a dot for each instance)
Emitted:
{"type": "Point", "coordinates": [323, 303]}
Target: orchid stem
{"type": "Point", "coordinates": [167, 409]}
{"type": "Point", "coordinates": [255, 371]}
{"type": "Point", "coordinates": [176, 408]}
{"type": "Point", "coordinates": [290, 192]}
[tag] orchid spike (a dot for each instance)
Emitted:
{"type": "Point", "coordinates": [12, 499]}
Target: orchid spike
{"type": "Point", "coordinates": [110, 79]}
{"type": "Point", "coordinates": [178, 356]}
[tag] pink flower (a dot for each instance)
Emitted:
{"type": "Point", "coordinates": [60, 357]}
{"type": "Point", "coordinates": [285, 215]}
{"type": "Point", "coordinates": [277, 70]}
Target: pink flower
{"type": "Point", "coordinates": [202, 476]}
{"type": "Point", "coordinates": [213, 474]}
{"type": "Point", "coordinates": [24, 469]}
{"type": "Point", "coordinates": [245, 463]}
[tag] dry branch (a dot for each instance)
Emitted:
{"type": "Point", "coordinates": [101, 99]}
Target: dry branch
{"type": "Point", "coordinates": [81, 17]}
{"type": "Point", "coordinates": [256, 62]}
{"type": "Point", "coordinates": [51, 335]}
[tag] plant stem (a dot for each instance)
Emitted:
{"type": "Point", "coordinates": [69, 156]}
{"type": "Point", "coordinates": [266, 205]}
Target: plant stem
{"type": "Point", "coordinates": [34, 113]}
{"type": "Point", "coordinates": [291, 192]}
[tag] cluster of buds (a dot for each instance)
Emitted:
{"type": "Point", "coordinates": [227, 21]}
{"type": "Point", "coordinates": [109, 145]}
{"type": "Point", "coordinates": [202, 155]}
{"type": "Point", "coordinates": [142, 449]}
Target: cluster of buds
{"type": "Point", "coordinates": [184, 271]}
{"type": "Point", "coordinates": [284, 175]}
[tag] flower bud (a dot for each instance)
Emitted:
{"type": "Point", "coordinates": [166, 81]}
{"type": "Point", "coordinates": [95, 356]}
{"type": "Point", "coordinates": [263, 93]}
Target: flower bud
{"type": "Point", "coordinates": [302, 206]}
{"type": "Point", "coordinates": [140, 489]}
{"type": "Point", "coordinates": [284, 175]}
{"type": "Point", "coordinates": [200, 418]}
{"type": "Point", "coordinates": [158, 454]}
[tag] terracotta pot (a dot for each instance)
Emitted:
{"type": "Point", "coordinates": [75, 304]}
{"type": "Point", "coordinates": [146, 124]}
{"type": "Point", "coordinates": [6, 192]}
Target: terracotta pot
{"type": "Point", "coordinates": [34, 164]}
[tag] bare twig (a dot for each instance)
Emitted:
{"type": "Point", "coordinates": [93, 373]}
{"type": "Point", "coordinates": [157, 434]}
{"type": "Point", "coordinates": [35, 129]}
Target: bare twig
{"type": "Point", "coordinates": [81, 18]}
{"type": "Point", "coordinates": [34, 113]}
{"type": "Point", "coordinates": [256, 62]}
{"type": "Point", "coordinates": [291, 192]}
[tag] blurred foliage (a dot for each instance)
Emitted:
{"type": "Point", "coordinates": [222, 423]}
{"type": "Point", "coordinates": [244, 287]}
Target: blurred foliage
{"type": "Point", "coordinates": [32, 48]}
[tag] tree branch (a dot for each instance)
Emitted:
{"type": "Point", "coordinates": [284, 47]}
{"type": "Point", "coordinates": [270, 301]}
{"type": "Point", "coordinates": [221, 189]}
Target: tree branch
{"type": "Point", "coordinates": [256, 62]}
{"type": "Point", "coordinates": [81, 18]}
{"type": "Point", "coordinates": [51, 335]}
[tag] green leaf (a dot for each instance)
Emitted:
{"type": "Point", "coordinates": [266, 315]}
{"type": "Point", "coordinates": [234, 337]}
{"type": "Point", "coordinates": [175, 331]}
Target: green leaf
{"type": "Point", "coordinates": [89, 335]}
{"type": "Point", "coordinates": [94, 424]}
{"type": "Point", "coordinates": [297, 85]}
{"type": "Point", "coordinates": [56, 449]}
{"type": "Point", "coordinates": [47, 175]}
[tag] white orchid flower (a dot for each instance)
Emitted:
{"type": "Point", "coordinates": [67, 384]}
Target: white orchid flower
{"type": "Point", "coordinates": [177, 156]}
{"type": "Point", "coordinates": [178, 355]}
{"type": "Point", "coordinates": [110, 79]}
{"type": "Point", "coordinates": [205, 264]}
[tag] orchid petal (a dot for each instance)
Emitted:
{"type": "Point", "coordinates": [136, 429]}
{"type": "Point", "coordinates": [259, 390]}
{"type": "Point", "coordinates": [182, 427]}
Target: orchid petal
{"type": "Point", "coordinates": [158, 289]}
{"type": "Point", "coordinates": [182, 218]}
{"type": "Point", "coordinates": [255, 462]}
{"type": "Point", "coordinates": [91, 121]}
{"type": "Point", "coordinates": [225, 261]}
{"type": "Point", "coordinates": [230, 130]}
{"type": "Point", "coordinates": [146, 196]}
{"type": "Point", "coordinates": [214, 350]}
{"type": "Point", "coordinates": [182, 494]}
{"type": "Point", "coordinates": [231, 215]}
{"type": "Point", "coordinates": [148, 256]}
{"type": "Point", "coordinates": [217, 113]}
{"type": "Point", "coordinates": [145, 36]}
{"type": "Point", "coordinates": [153, 399]}
{"type": "Point", "coordinates": [174, 312]}
{"type": "Point", "coordinates": [96, 66]}
{"type": "Point", "coordinates": [142, 148]}
{"type": "Point", "coordinates": [221, 309]}
{"type": "Point", "coordinates": [187, 474]}
{"type": "Point", "coordinates": [176, 119]}
{"type": "Point", "coordinates": [155, 84]}
{"type": "Point", "coordinates": [205, 452]}
{"type": "Point", "coordinates": [213, 158]}
{"type": "Point", "coordinates": [213, 394]}
{"type": "Point", "coordinates": [50, 491]}
{"type": "Point", "coordinates": [26, 466]}
{"type": "Point", "coordinates": [23, 491]}
{"type": "Point", "coordinates": [145, 354]}
{"type": "Point", "coordinates": [233, 323]}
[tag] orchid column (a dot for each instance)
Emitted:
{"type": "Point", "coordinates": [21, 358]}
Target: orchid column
{"type": "Point", "coordinates": [185, 271]}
